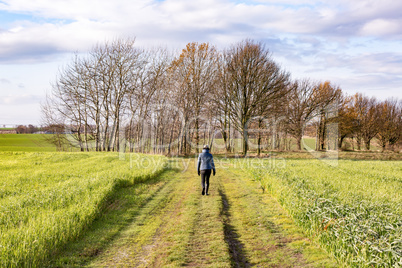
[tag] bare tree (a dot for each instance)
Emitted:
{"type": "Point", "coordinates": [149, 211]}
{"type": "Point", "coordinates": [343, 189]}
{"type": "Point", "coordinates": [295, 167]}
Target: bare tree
{"type": "Point", "coordinates": [91, 91]}
{"type": "Point", "coordinates": [303, 104]}
{"type": "Point", "coordinates": [255, 80]}
{"type": "Point", "coordinates": [67, 105]}
{"type": "Point", "coordinates": [221, 103]}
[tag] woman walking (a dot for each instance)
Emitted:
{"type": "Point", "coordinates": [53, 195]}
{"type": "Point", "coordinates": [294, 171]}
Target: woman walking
{"type": "Point", "coordinates": [204, 167]}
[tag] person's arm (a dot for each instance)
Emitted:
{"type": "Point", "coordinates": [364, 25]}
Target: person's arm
{"type": "Point", "coordinates": [199, 164]}
{"type": "Point", "coordinates": [213, 165]}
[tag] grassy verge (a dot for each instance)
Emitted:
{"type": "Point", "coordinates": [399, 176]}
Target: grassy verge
{"type": "Point", "coordinates": [123, 208]}
{"type": "Point", "coordinates": [49, 199]}
{"type": "Point", "coordinates": [353, 210]}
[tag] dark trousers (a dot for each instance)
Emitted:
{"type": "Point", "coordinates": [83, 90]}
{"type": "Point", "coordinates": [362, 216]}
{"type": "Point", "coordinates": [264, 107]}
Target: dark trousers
{"type": "Point", "coordinates": [205, 174]}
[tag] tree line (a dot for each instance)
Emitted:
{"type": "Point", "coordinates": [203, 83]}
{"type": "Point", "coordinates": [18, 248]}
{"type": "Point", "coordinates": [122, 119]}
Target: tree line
{"type": "Point", "coordinates": [30, 129]}
{"type": "Point", "coordinates": [119, 97]}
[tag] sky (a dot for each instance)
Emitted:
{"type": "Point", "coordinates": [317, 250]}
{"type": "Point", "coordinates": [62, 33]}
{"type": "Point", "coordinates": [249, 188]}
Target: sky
{"type": "Point", "coordinates": [357, 45]}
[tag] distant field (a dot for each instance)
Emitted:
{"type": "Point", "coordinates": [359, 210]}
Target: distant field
{"type": "Point", "coordinates": [38, 143]}
{"type": "Point", "coordinates": [25, 143]}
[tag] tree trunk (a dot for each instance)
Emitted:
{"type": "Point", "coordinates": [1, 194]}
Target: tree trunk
{"type": "Point", "coordinates": [245, 140]}
{"type": "Point", "coordinates": [367, 143]}
{"type": "Point", "coordinates": [359, 143]}
{"type": "Point", "coordinates": [105, 133]}
{"type": "Point", "coordinates": [341, 139]}
{"type": "Point", "coordinates": [322, 130]}
{"type": "Point", "coordinates": [273, 137]}
{"type": "Point", "coordinates": [197, 136]}
{"type": "Point", "coordinates": [299, 141]}
{"type": "Point", "coordinates": [259, 138]}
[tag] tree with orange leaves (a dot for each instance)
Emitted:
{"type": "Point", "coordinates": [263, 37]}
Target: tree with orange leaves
{"type": "Point", "coordinates": [366, 119]}
{"type": "Point", "coordinates": [390, 122]}
{"type": "Point", "coordinates": [328, 97]}
{"type": "Point", "coordinates": [195, 71]}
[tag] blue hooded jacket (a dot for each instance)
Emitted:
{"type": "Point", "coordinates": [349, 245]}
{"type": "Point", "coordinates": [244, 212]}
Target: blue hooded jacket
{"type": "Point", "coordinates": [205, 161]}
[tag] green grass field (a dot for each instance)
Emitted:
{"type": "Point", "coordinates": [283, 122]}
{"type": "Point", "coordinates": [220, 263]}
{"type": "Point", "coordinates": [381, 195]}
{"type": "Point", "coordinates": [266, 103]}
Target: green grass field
{"type": "Point", "coordinates": [48, 199]}
{"type": "Point", "coordinates": [60, 209]}
{"type": "Point", "coordinates": [25, 143]}
{"type": "Point", "coordinates": [353, 209]}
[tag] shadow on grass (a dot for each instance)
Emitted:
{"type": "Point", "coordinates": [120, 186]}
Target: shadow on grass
{"type": "Point", "coordinates": [237, 254]}
{"type": "Point", "coordinates": [120, 210]}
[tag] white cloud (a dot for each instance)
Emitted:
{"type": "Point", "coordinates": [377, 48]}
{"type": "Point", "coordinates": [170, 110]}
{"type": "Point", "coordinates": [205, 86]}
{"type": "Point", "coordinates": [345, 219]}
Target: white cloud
{"type": "Point", "coordinates": [374, 63]}
{"type": "Point", "coordinates": [377, 85]}
{"type": "Point", "coordinates": [38, 41]}
{"type": "Point", "coordinates": [75, 9]}
{"type": "Point", "coordinates": [371, 9]}
{"type": "Point", "coordinates": [77, 25]}
{"type": "Point", "coordinates": [381, 27]}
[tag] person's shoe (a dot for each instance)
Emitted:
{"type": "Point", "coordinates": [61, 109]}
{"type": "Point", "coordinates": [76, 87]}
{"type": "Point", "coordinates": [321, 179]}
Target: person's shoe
{"type": "Point", "coordinates": [206, 193]}
{"type": "Point", "coordinates": [203, 192]}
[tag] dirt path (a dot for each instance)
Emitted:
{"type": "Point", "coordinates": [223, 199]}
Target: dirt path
{"type": "Point", "coordinates": [235, 226]}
